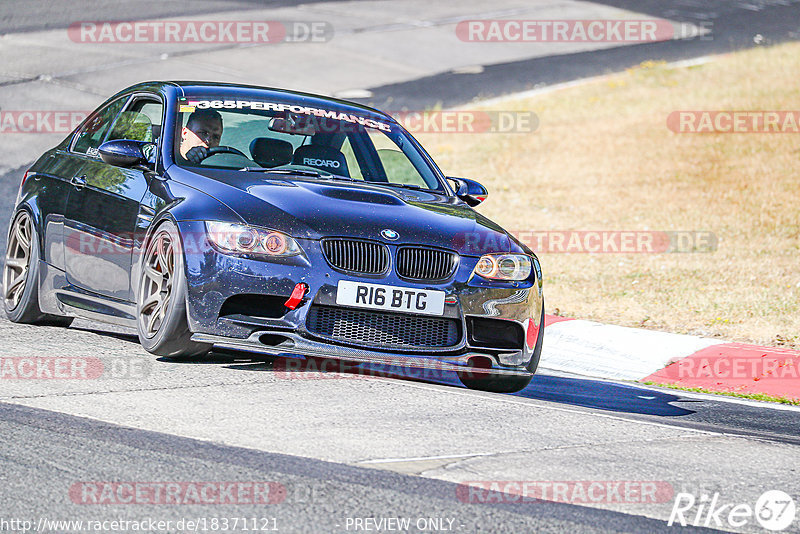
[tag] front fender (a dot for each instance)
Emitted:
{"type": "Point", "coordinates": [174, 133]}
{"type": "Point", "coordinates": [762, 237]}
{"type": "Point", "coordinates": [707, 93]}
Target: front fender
{"type": "Point", "coordinates": [172, 200]}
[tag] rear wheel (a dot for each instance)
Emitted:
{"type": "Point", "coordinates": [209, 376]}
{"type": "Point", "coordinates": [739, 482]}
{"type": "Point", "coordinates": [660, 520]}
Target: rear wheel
{"type": "Point", "coordinates": [161, 305]}
{"type": "Point", "coordinates": [21, 274]}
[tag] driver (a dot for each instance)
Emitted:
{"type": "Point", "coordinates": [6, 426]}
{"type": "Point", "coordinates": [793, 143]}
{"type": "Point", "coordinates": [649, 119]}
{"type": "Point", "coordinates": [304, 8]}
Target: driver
{"type": "Point", "coordinates": [203, 130]}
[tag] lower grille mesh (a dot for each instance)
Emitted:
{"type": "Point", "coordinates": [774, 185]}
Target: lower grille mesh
{"type": "Point", "coordinates": [382, 329]}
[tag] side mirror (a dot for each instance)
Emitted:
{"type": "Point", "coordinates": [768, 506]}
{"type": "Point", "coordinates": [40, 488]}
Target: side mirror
{"type": "Point", "coordinates": [123, 152]}
{"type": "Point", "coordinates": [469, 191]}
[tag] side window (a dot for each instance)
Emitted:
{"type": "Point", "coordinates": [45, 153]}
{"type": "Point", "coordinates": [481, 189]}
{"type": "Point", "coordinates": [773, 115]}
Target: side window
{"type": "Point", "coordinates": [139, 122]}
{"type": "Point", "coordinates": [93, 132]}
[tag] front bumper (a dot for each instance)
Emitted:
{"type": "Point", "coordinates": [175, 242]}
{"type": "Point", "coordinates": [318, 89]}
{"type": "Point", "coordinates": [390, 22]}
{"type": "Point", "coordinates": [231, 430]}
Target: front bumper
{"type": "Point", "coordinates": [213, 278]}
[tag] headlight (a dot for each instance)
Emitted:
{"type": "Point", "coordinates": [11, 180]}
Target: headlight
{"type": "Point", "coordinates": [240, 239]}
{"type": "Point", "coordinates": [504, 266]}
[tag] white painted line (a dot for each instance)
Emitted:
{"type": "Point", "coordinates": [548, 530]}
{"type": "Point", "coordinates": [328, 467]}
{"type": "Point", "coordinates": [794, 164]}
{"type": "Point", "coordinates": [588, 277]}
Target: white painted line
{"type": "Point", "coordinates": [353, 93]}
{"type": "Point", "coordinates": [423, 458]}
{"type": "Point", "coordinates": [711, 397]}
{"type": "Point", "coordinates": [468, 69]}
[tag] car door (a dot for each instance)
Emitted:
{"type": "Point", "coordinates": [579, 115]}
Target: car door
{"type": "Point", "coordinates": [56, 178]}
{"type": "Point", "coordinates": [103, 207]}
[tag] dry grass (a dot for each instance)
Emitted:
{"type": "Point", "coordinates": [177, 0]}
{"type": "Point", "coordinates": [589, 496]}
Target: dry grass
{"type": "Point", "coordinates": [604, 159]}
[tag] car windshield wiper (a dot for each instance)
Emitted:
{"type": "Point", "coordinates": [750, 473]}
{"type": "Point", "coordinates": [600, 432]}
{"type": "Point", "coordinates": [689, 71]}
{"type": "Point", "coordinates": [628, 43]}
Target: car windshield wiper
{"type": "Point", "coordinates": [299, 172]}
{"type": "Point", "coordinates": [313, 174]}
{"type": "Point", "coordinates": [406, 186]}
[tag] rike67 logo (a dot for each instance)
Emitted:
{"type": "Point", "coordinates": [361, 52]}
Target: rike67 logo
{"type": "Point", "coordinates": [774, 510]}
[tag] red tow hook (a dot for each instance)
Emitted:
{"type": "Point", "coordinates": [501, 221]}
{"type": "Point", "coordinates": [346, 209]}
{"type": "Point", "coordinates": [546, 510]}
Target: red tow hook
{"type": "Point", "coordinates": [298, 293]}
{"type": "Point", "coordinates": [533, 334]}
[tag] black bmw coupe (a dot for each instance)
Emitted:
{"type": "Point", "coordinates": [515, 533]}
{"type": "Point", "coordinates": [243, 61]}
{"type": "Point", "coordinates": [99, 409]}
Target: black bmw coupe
{"type": "Point", "coordinates": [269, 221]}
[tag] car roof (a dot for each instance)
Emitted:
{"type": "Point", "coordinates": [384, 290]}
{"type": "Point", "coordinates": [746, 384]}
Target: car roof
{"type": "Point", "coordinates": [195, 88]}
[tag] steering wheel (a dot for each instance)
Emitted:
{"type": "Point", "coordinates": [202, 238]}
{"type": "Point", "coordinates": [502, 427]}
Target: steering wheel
{"type": "Point", "coordinates": [225, 150]}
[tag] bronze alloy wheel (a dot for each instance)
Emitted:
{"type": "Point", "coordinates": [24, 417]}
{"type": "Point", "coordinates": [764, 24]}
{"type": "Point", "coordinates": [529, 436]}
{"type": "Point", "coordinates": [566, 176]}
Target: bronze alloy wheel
{"type": "Point", "coordinates": [18, 259]}
{"type": "Point", "coordinates": [157, 283]}
{"type": "Point", "coordinates": [161, 317]}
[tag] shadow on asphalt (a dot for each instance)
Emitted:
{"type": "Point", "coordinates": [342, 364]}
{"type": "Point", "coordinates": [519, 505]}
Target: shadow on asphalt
{"type": "Point", "coordinates": [587, 393]}
{"type": "Point", "coordinates": [584, 392]}
{"type": "Point", "coordinates": [597, 394]}
{"type": "Point", "coordinates": [131, 338]}
{"type": "Point", "coordinates": [710, 414]}
{"type": "Point", "coordinates": [603, 395]}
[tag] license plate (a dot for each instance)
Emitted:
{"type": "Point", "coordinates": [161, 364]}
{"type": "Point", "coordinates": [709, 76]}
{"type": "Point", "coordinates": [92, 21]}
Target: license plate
{"type": "Point", "coordinates": [390, 298]}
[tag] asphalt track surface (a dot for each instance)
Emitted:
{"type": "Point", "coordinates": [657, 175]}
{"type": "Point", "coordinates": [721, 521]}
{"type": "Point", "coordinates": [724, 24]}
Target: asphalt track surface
{"type": "Point", "coordinates": [735, 25]}
{"type": "Point", "coordinates": [316, 496]}
{"type": "Point", "coordinates": [365, 444]}
{"type": "Point", "coordinates": [371, 443]}
{"type": "Point", "coordinates": [36, 15]}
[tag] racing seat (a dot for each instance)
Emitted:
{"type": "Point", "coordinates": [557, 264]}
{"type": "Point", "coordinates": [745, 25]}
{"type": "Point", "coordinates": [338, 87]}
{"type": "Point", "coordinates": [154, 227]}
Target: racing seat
{"type": "Point", "coordinates": [269, 152]}
{"type": "Point", "coordinates": [321, 157]}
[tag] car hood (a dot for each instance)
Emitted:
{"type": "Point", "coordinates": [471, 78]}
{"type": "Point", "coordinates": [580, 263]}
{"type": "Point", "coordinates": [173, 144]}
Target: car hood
{"type": "Point", "coordinates": [313, 209]}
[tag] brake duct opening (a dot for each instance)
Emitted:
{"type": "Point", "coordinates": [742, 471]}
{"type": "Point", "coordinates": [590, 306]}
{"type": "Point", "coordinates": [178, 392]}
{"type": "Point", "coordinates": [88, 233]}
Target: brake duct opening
{"type": "Point", "coordinates": [273, 340]}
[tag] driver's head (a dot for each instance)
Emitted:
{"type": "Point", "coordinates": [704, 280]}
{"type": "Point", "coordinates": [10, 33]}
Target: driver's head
{"type": "Point", "coordinates": [204, 128]}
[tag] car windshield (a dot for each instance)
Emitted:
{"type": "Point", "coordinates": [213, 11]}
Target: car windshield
{"type": "Point", "coordinates": [279, 138]}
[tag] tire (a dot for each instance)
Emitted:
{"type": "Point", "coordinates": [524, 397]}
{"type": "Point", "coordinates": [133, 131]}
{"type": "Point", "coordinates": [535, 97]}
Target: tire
{"type": "Point", "coordinates": [503, 383]}
{"type": "Point", "coordinates": [21, 275]}
{"type": "Point", "coordinates": [493, 382]}
{"type": "Point", "coordinates": [161, 298]}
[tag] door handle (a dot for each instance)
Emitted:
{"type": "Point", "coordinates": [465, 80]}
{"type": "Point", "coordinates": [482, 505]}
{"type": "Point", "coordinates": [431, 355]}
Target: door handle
{"type": "Point", "coordinates": [78, 181]}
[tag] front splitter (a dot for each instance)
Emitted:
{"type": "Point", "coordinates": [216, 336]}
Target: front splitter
{"type": "Point", "coordinates": [297, 346]}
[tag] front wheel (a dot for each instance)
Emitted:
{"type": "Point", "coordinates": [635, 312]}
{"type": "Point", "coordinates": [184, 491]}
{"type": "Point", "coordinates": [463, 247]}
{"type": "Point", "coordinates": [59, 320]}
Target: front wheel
{"type": "Point", "coordinates": [161, 305]}
{"type": "Point", "coordinates": [493, 382]}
